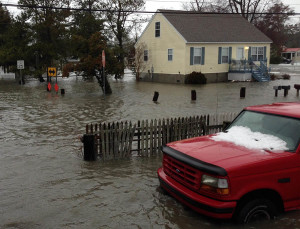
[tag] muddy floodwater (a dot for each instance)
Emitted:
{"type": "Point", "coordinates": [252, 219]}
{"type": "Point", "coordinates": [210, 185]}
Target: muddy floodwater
{"type": "Point", "coordinates": [44, 183]}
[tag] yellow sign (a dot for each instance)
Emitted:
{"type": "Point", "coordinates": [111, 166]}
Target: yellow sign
{"type": "Point", "coordinates": [51, 71]}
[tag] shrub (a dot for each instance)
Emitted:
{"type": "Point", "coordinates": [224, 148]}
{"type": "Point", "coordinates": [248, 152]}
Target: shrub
{"type": "Point", "coordinates": [286, 76]}
{"type": "Point", "coordinates": [195, 78]}
{"type": "Point", "coordinates": [273, 76]}
{"type": "Point", "coordinates": [275, 60]}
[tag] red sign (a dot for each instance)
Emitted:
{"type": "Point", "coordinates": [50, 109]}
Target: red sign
{"type": "Point", "coordinates": [56, 87]}
{"type": "Point", "coordinates": [103, 59]}
{"type": "Point", "coordinates": [49, 86]}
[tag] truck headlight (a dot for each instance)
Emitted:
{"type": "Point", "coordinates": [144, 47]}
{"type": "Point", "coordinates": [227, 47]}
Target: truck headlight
{"type": "Point", "coordinates": [215, 184]}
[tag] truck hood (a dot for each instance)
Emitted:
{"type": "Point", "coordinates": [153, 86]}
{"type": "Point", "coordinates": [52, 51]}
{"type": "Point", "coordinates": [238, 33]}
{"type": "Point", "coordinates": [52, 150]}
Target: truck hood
{"type": "Point", "coordinates": [222, 153]}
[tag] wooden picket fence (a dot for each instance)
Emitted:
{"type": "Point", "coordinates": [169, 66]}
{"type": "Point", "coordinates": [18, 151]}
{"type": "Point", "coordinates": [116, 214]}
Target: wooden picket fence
{"type": "Point", "coordinates": [145, 138]}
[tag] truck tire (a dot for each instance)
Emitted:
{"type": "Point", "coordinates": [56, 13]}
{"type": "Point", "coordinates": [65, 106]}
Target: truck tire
{"type": "Point", "coordinates": [257, 209]}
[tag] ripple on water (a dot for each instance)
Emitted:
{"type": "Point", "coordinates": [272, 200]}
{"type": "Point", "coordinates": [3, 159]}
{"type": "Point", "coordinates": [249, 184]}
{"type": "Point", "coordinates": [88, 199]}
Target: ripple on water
{"type": "Point", "coordinates": [44, 182]}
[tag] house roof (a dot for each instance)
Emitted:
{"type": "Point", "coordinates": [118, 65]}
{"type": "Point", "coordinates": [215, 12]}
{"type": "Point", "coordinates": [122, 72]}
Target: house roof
{"type": "Point", "coordinates": [291, 50]}
{"type": "Point", "coordinates": [214, 28]}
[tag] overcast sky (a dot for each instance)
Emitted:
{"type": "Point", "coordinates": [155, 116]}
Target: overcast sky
{"type": "Point", "coordinates": [153, 5]}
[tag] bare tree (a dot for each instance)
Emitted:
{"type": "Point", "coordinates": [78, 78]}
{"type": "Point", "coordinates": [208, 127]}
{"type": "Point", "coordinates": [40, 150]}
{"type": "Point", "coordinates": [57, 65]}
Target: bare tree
{"type": "Point", "coordinates": [195, 5]}
{"type": "Point", "coordinates": [118, 15]}
{"type": "Point", "coordinates": [217, 6]}
{"type": "Point", "coordinates": [139, 62]}
{"type": "Point", "coordinates": [249, 9]}
{"type": "Point", "coordinates": [274, 25]}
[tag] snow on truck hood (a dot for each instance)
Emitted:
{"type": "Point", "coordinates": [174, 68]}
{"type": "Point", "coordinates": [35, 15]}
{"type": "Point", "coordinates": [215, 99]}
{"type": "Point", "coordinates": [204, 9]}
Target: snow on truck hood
{"type": "Point", "coordinates": [234, 148]}
{"type": "Point", "coordinates": [243, 136]}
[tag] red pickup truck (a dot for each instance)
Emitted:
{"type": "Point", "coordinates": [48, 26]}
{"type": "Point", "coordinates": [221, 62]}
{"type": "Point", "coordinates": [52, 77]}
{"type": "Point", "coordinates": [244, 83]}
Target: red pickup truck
{"type": "Point", "coordinates": [249, 171]}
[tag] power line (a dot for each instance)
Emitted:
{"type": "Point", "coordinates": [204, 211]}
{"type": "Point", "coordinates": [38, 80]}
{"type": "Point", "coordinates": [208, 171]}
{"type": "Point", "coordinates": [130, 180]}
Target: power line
{"type": "Point", "coordinates": [133, 11]}
{"type": "Point", "coordinates": [166, 1]}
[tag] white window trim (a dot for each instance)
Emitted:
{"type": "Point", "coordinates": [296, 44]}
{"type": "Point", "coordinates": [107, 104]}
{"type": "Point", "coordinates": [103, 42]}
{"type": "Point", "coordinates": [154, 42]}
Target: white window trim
{"type": "Point", "coordinates": [157, 29]}
{"type": "Point", "coordinates": [146, 55]}
{"type": "Point", "coordinates": [199, 55]}
{"type": "Point", "coordinates": [225, 55]}
{"type": "Point", "coordinates": [257, 54]}
{"type": "Point", "coordinates": [170, 55]}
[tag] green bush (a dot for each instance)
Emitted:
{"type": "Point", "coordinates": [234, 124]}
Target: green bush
{"type": "Point", "coordinates": [195, 78]}
{"type": "Point", "coordinates": [275, 60]}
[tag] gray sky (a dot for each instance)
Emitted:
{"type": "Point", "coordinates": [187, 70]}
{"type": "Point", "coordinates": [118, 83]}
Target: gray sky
{"type": "Point", "coordinates": [153, 5]}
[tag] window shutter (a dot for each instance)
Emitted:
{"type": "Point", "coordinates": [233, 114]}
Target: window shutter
{"type": "Point", "coordinates": [203, 56]}
{"type": "Point", "coordinates": [191, 55]}
{"type": "Point", "coordinates": [220, 55]}
{"type": "Point", "coordinates": [230, 55]}
{"type": "Point", "coordinates": [265, 53]}
{"type": "Point", "coordinates": [249, 53]}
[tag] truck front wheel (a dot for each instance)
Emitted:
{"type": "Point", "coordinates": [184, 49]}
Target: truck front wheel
{"type": "Point", "coordinates": [257, 209]}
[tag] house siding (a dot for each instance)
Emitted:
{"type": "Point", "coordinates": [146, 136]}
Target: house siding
{"type": "Point", "coordinates": [158, 48]}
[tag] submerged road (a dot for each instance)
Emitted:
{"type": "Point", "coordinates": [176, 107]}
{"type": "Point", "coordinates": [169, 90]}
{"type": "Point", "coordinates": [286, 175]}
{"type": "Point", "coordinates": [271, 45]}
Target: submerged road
{"type": "Point", "coordinates": [44, 183]}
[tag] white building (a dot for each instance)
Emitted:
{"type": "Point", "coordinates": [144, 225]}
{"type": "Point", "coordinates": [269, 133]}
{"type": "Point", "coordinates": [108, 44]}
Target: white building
{"type": "Point", "coordinates": [4, 75]}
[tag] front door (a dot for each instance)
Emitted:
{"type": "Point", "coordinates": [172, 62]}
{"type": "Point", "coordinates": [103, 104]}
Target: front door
{"type": "Point", "coordinates": [240, 54]}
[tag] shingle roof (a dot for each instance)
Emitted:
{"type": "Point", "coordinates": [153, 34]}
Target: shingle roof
{"type": "Point", "coordinates": [214, 27]}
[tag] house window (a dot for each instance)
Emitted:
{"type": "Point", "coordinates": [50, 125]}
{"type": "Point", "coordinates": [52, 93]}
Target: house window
{"type": "Point", "coordinates": [145, 55]}
{"type": "Point", "coordinates": [257, 53]}
{"type": "Point", "coordinates": [225, 55]}
{"type": "Point", "coordinates": [157, 29]}
{"type": "Point", "coordinates": [197, 56]}
{"type": "Point", "coordinates": [170, 54]}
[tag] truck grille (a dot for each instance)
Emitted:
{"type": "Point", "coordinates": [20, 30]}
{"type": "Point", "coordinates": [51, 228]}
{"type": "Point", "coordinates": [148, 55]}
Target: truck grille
{"type": "Point", "coordinates": [181, 172]}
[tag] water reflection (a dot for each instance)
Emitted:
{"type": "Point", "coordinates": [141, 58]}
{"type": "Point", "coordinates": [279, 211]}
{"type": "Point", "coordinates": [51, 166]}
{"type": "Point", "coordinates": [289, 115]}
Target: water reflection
{"type": "Point", "coordinates": [46, 184]}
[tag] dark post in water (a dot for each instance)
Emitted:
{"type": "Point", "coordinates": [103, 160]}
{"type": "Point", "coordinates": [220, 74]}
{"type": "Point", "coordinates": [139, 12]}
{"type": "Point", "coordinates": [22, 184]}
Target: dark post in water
{"type": "Point", "coordinates": [90, 153]}
{"type": "Point", "coordinates": [276, 88]}
{"type": "Point", "coordinates": [297, 87]}
{"type": "Point", "coordinates": [193, 95]}
{"type": "Point", "coordinates": [155, 97]}
{"type": "Point", "coordinates": [286, 90]}
{"type": "Point", "coordinates": [243, 92]}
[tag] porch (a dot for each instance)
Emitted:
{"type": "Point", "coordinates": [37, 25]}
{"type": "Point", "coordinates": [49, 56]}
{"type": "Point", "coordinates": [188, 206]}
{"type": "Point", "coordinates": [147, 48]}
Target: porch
{"type": "Point", "coordinates": [248, 69]}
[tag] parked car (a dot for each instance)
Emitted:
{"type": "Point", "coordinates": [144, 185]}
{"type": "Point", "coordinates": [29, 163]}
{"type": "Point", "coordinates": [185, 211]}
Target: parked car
{"type": "Point", "coordinates": [286, 61]}
{"type": "Point", "coordinates": [251, 171]}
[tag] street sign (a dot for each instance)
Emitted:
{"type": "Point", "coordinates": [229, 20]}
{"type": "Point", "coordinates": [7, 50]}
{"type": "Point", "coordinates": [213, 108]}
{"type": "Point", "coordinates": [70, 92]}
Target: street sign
{"type": "Point", "coordinates": [20, 64]}
{"type": "Point", "coordinates": [56, 87]}
{"type": "Point", "coordinates": [49, 86]}
{"type": "Point", "coordinates": [51, 71]}
{"type": "Point", "coordinates": [103, 59]}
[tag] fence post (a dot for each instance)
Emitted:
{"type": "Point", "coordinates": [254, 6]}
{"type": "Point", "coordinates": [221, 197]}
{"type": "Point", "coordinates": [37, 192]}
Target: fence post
{"type": "Point", "coordinates": [286, 89]}
{"type": "Point", "coordinates": [193, 95]}
{"type": "Point", "coordinates": [276, 88]}
{"type": "Point", "coordinates": [139, 137]}
{"type": "Point", "coordinates": [243, 92]}
{"type": "Point", "coordinates": [90, 153]}
{"type": "Point", "coordinates": [297, 87]}
{"type": "Point", "coordinates": [155, 97]}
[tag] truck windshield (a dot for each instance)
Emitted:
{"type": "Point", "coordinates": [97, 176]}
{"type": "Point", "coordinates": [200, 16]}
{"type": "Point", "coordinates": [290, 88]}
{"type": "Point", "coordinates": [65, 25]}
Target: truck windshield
{"type": "Point", "coordinates": [285, 128]}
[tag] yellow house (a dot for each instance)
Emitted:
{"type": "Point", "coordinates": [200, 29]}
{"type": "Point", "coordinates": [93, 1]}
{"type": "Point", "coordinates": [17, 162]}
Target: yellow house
{"type": "Point", "coordinates": [220, 46]}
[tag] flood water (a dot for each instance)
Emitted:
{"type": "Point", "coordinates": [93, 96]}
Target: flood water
{"type": "Point", "coordinates": [44, 183]}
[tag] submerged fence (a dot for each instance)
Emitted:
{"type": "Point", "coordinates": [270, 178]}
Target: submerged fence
{"type": "Point", "coordinates": [144, 138]}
